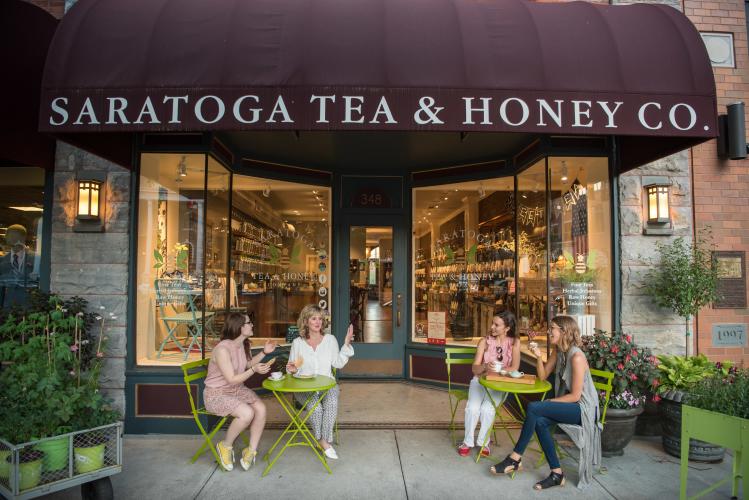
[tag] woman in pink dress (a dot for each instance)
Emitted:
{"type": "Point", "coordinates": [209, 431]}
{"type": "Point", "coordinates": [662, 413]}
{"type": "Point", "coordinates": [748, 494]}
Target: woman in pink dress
{"type": "Point", "coordinates": [500, 345]}
{"type": "Point", "coordinates": [225, 393]}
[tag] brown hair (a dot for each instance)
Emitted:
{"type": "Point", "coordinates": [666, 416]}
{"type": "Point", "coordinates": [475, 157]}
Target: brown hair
{"type": "Point", "coordinates": [508, 319]}
{"type": "Point", "coordinates": [570, 332]}
{"type": "Point", "coordinates": [307, 312]}
{"type": "Point", "coordinates": [233, 329]}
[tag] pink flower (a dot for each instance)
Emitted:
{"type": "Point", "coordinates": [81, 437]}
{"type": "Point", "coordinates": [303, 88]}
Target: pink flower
{"type": "Point", "coordinates": [627, 358]}
{"type": "Point", "coordinates": [634, 352]}
{"type": "Point", "coordinates": [74, 347]}
{"type": "Point", "coordinates": [620, 366]}
{"type": "Point", "coordinates": [99, 354]}
{"type": "Point", "coordinates": [614, 349]}
{"type": "Point", "coordinates": [633, 377]}
{"type": "Point", "coordinates": [656, 398]}
{"type": "Point", "coordinates": [656, 383]}
{"type": "Point", "coordinates": [628, 338]}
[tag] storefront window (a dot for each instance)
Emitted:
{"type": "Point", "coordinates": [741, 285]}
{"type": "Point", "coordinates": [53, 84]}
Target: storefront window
{"type": "Point", "coordinates": [280, 255]}
{"type": "Point", "coordinates": [175, 317]}
{"type": "Point", "coordinates": [532, 251]}
{"type": "Point", "coordinates": [580, 241]}
{"type": "Point", "coordinates": [218, 293]}
{"type": "Point", "coordinates": [464, 258]}
{"type": "Point", "coordinates": [21, 211]}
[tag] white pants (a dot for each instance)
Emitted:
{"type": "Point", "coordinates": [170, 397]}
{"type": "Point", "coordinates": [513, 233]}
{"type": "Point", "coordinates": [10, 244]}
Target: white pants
{"type": "Point", "coordinates": [480, 407]}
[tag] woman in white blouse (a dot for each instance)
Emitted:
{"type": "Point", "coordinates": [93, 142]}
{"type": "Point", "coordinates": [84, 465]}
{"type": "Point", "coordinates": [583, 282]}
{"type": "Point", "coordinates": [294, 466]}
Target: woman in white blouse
{"type": "Point", "coordinates": [315, 353]}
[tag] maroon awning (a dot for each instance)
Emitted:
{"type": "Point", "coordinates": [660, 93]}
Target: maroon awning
{"type": "Point", "coordinates": [449, 65]}
{"type": "Point", "coordinates": [25, 34]}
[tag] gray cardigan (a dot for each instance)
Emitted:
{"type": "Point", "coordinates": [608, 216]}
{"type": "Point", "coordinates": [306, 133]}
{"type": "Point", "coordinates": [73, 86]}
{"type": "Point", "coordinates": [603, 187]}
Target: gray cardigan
{"type": "Point", "coordinates": [587, 437]}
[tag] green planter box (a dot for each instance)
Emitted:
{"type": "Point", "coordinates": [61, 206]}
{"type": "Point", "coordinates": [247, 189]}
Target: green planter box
{"type": "Point", "coordinates": [729, 432]}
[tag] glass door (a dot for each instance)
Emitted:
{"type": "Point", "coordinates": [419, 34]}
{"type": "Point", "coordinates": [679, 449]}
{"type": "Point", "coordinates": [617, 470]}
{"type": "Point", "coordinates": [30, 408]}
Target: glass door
{"type": "Point", "coordinates": [371, 284]}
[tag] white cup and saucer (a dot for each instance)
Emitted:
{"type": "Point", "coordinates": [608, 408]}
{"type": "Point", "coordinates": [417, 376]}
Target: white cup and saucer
{"type": "Point", "coordinates": [276, 376]}
{"type": "Point", "coordinates": [515, 374]}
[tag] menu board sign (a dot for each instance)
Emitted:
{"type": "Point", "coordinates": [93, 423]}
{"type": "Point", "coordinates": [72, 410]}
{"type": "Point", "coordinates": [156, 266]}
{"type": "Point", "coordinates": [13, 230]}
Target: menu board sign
{"type": "Point", "coordinates": [436, 328]}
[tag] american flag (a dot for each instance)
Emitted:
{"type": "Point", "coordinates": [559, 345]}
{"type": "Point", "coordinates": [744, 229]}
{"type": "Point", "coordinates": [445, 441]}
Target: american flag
{"type": "Point", "coordinates": [580, 223]}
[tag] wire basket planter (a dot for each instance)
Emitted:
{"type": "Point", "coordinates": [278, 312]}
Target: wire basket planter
{"type": "Point", "coordinates": [36, 468]}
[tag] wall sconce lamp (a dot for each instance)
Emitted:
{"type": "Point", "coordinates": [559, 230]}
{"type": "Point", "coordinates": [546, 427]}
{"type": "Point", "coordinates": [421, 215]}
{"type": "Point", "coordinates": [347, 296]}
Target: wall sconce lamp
{"type": "Point", "coordinates": [89, 200]}
{"type": "Point", "coordinates": [658, 204]}
{"type": "Point", "coordinates": [657, 210]}
{"type": "Point", "coordinates": [89, 216]}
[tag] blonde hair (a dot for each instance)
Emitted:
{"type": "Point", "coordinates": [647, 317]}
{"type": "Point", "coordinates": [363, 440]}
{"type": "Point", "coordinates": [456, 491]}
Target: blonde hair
{"type": "Point", "coordinates": [570, 332]}
{"type": "Point", "coordinates": [307, 312]}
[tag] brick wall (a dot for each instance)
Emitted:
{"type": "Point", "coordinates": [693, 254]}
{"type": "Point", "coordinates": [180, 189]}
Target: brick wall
{"type": "Point", "coordinates": [721, 187]}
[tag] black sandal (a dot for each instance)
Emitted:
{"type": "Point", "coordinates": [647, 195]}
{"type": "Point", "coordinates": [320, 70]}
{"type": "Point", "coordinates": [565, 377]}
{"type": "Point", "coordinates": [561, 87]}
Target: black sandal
{"type": "Point", "coordinates": [554, 479]}
{"type": "Point", "coordinates": [507, 466]}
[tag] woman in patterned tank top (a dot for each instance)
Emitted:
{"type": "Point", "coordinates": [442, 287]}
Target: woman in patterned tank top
{"type": "Point", "coordinates": [500, 345]}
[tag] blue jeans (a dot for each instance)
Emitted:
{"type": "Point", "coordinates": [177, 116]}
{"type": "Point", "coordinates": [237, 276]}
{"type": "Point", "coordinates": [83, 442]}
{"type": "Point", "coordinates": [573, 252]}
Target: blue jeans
{"type": "Point", "coordinates": [540, 417]}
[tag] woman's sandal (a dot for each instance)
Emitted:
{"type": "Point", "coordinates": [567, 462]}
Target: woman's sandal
{"type": "Point", "coordinates": [554, 479]}
{"type": "Point", "coordinates": [507, 466]}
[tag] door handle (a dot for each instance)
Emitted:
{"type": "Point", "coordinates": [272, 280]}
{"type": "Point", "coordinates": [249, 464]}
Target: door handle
{"type": "Point", "coordinates": [398, 311]}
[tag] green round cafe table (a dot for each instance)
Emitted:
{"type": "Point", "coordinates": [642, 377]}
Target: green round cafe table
{"type": "Point", "coordinates": [539, 387]}
{"type": "Point", "coordinates": [297, 433]}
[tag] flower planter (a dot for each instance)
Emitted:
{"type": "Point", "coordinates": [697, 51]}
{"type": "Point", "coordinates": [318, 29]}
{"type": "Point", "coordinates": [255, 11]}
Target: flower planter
{"type": "Point", "coordinates": [618, 430]}
{"type": "Point", "coordinates": [4, 465]}
{"type": "Point", "coordinates": [699, 451]}
{"type": "Point", "coordinates": [724, 430]}
{"type": "Point", "coordinates": [56, 453]}
{"type": "Point", "coordinates": [29, 468]}
{"type": "Point", "coordinates": [89, 458]}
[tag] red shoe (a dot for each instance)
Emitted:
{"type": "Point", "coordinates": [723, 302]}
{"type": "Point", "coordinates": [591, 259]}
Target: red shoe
{"type": "Point", "coordinates": [485, 451]}
{"type": "Point", "coordinates": [463, 450]}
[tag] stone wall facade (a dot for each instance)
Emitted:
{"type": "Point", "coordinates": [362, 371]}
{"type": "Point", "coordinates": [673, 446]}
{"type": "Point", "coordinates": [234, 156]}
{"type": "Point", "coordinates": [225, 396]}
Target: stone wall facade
{"type": "Point", "coordinates": [651, 326]}
{"type": "Point", "coordinates": [94, 265]}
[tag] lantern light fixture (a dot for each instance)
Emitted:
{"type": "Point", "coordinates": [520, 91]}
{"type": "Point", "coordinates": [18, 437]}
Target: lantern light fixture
{"type": "Point", "coordinates": [657, 217]}
{"type": "Point", "coordinates": [90, 202]}
{"type": "Point", "coordinates": [658, 204]}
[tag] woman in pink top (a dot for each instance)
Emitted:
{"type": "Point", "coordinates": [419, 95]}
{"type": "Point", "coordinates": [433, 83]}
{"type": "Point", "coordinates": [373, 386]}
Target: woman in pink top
{"type": "Point", "coordinates": [500, 345]}
{"type": "Point", "coordinates": [225, 393]}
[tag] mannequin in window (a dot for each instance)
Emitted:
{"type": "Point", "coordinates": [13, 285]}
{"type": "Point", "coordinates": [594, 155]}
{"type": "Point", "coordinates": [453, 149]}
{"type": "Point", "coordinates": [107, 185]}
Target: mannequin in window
{"type": "Point", "coordinates": [17, 266]}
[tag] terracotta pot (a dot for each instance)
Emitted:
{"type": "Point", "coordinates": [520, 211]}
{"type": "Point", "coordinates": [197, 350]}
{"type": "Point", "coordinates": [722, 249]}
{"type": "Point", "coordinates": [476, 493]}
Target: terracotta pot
{"type": "Point", "coordinates": [618, 430]}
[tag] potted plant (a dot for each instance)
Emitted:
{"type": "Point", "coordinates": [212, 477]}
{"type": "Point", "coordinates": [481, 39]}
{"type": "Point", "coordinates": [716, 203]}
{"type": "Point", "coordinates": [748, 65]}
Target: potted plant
{"type": "Point", "coordinates": [679, 375]}
{"type": "Point", "coordinates": [685, 280]}
{"type": "Point", "coordinates": [716, 410]}
{"type": "Point", "coordinates": [634, 371]}
{"type": "Point", "coordinates": [29, 468]}
{"type": "Point", "coordinates": [50, 379]}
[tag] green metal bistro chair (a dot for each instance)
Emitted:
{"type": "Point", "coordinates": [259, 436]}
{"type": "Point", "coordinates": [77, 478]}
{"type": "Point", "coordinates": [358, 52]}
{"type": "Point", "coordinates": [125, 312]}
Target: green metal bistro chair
{"type": "Point", "coordinates": [603, 382]}
{"type": "Point", "coordinates": [175, 299]}
{"type": "Point", "coordinates": [458, 356]}
{"type": "Point", "coordinates": [192, 373]}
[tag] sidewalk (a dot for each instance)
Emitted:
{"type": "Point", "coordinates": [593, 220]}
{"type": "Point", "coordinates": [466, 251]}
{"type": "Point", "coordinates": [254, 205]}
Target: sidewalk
{"type": "Point", "coordinates": [390, 464]}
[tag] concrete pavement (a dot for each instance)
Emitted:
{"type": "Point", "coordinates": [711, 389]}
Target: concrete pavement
{"type": "Point", "coordinates": [390, 464]}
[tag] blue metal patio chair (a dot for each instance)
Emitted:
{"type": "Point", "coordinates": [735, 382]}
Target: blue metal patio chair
{"type": "Point", "coordinates": [176, 301]}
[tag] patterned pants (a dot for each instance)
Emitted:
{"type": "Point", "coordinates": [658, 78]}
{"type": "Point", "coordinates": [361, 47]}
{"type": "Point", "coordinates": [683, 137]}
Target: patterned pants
{"type": "Point", "coordinates": [322, 420]}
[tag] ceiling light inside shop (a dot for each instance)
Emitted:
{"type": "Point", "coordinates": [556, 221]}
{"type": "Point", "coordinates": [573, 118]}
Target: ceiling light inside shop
{"type": "Point", "coordinates": [28, 209]}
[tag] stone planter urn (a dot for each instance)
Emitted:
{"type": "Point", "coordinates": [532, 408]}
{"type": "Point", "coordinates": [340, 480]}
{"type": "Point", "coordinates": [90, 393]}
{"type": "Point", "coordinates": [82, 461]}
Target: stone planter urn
{"type": "Point", "coordinates": [618, 430]}
{"type": "Point", "coordinates": [699, 451]}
